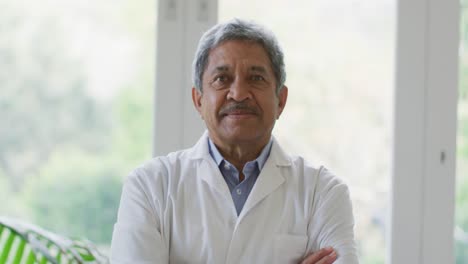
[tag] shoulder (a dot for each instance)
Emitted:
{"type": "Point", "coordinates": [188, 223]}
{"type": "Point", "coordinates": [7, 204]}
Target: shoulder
{"type": "Point", "coordinates": [316, 180]}
{"type": "Point", "coordinates": [328, 182]}
{"type": "Point", "coordinates": [310, 171]}
{"type": "Point", "coordinates": [159, 171]}
{"type": "Point", "coordinates": [301, 170]}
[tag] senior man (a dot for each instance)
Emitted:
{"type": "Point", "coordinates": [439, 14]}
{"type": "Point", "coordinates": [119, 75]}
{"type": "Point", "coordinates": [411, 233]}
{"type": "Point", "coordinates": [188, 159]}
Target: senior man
{"type": "Point", "coordinates": [236, 196]}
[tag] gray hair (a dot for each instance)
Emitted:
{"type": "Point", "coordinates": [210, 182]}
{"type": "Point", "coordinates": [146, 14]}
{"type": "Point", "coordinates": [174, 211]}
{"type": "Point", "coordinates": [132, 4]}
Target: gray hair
{"type": "Point", "coordinates": [237, 29]}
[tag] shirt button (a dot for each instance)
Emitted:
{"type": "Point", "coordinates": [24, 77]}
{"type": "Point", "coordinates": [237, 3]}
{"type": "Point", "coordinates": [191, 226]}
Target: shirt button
{"type": "Point", "coordinates": [226, 166]}
{"type": "Point", "coordinates": [239, 192]}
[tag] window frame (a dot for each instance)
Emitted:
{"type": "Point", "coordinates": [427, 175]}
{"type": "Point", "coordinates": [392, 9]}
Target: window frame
{"type": "Point", "coordinates": [422, 219]}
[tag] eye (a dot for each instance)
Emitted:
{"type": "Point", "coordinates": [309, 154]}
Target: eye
{"type": "Point", "coordinates": [257, 78]}
{"type": "Point", "coordinates": [221, 78]}
{"type": "Point", "coordinates": [220, 81]}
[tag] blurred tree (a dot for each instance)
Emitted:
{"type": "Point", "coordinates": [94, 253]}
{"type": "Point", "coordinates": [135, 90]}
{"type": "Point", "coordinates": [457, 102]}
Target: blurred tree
{"type": "Point", "coordinates": [461, 220]}
{"type": "Point", "coordinates": [76, 200]}
{"type": "Point", "coordinates": [69, 142]}
{"type": "Point", "coordinates": [132, 132]}
{"type": "Point", "coordinates": [42, 100]}
{"type": "Point", "coordinates": [77, 193]}
{"type": "Point", "coordinates": [461, 216]}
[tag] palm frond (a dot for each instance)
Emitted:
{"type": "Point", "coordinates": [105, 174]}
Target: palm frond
{"type": "Point", "coordinates": [22, 242]}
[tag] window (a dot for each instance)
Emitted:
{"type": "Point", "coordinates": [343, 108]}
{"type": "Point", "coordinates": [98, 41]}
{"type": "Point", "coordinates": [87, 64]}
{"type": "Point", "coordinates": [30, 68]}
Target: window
{"type": "Point", "coordinates": [76, 107]}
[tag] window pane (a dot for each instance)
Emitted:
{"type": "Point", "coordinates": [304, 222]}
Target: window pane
{"type": "Point", "coordinates": [75, 102]}
{"type": "Point", "coordinates": [461, 205]}
{"type": "Point", "coordinates": [339, 61]}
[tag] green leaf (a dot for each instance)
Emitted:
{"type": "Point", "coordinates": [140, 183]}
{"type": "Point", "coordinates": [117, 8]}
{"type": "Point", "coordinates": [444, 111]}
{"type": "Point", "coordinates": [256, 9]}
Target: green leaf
{"type": "Point", "coordinates": [43, 246]}
{"type": "Point", "coordinates": [20, 251]}
{"type": "Point", "coordinates": [7, 248]}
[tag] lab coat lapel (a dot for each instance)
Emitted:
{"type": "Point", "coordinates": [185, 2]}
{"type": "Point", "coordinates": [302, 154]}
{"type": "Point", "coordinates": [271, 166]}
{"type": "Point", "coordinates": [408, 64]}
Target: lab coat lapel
{"type": "Point", "coordinates": [206, 166]}
{"type": "Point", "coordinates": [209, 173]}
{"type": "Point", "coordinates": [269, 180]}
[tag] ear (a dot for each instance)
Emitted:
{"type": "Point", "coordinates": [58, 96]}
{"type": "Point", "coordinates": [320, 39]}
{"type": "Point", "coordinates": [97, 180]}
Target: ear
{"type": "Point", "coordinates": [196, 98]}
{"type": "Point", "coordinates": [282, 98]}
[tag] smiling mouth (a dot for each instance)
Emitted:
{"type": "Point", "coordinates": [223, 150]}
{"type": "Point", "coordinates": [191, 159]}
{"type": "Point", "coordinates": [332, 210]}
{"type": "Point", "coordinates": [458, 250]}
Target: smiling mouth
{"type": "Point", "coordinates": [240, 113]}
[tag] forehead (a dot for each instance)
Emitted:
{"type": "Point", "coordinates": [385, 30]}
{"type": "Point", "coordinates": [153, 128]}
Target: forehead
{"type": "Point", "coordinates": [232, 52]}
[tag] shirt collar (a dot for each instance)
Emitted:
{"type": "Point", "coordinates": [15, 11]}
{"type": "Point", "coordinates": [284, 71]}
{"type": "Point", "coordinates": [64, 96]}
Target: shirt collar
{"type": "Point", "coordinates": [260, 160]}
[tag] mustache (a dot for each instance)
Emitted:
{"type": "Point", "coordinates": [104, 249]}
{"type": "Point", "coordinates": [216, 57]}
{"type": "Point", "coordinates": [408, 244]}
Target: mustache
{"type": "Point", "coordinates": [238, 106]}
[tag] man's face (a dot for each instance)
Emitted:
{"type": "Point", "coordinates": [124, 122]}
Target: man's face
{"type": "Point", "coordinates": [239, 102]}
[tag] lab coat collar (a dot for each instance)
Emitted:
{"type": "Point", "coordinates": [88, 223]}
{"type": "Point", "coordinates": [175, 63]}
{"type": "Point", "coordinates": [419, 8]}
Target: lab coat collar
{"type": "Point", "coordinates": [208, 171]}
{"type": "Point", "coordinates": [269, 180]}
{"type": "Point", "coordinates": [201, 151]}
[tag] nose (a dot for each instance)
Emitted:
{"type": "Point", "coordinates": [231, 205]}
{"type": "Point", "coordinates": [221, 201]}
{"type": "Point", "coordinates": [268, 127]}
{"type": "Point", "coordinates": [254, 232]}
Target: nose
{"type": "Point", "coordinates": [239, 91]}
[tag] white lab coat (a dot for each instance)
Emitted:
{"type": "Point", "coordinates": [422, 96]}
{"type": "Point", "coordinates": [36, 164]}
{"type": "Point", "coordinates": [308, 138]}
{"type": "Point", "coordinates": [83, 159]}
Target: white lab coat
{"type": "Point", "coordinates": [178, 209]}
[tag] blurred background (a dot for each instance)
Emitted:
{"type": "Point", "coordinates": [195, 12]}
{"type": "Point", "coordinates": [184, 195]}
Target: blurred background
{"type": "Point", "coordinates": [76, 86]}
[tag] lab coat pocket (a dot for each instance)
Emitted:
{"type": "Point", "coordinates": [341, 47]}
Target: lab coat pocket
{"type": "Point", "coordinates": [289, 248]}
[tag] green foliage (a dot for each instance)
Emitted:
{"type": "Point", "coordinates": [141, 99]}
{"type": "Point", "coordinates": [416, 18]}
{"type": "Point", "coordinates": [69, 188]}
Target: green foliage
{"type": "Point", "coordinates": [77, 191]}
{"type": "Point", "coordinates": [65, 151]}
{"type": "Point", "coordinates": [462, 144]}
{"type": "Point", "coordinates": [14, 206]}
{"type": "Point", "coordinates": [461, 253]}
{"type": "Point", "coordinates": [464, 23]}
{"type": "Point", "coordinates": [21, 242]}
{"type": "Point", "coordinates": [461, 220]}
{"type": "Point", "coordinates": [461, 204]}
{"type": "Point", "coordinates": [43, 94]}
{"type": "Point", "coordinates": [463, 77]}
{"type": "Point", "coordinates": [461, 217]}
{"type": "Point", "coordinates": [77, 194]}
{"type": "Point", "coordinates": [132, 132]}
{"type": "Point", "coordinates": [373, 258]}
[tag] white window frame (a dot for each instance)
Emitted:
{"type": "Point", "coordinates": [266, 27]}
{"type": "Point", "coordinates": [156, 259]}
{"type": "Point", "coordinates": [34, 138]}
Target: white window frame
{"type": "Point", "coordinates": [423, 184]}
{"type": "Point", "coordinates": [422, 219]}
{"type": "Point", "coordinates": [180, 24]}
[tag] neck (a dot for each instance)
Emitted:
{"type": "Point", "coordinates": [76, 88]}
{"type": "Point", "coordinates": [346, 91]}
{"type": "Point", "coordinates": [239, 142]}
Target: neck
{"type": "Point", "coordinates": [239, 154]}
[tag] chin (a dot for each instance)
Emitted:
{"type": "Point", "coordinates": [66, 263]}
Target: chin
{"type": "Point", "coordinates": [243, 136]}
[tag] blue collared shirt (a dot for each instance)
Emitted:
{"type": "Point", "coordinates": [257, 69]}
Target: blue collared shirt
{"type": "Point", "coordinates": [240, 190]}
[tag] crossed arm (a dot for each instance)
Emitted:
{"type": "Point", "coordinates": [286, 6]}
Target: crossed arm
{"type": "Point", "coordinates": [135, 238]}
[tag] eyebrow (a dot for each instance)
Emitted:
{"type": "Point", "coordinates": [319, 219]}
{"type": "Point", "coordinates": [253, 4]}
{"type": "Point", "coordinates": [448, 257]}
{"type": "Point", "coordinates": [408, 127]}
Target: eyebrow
{"type": "Point", "coordinates": [225, 68]}
{"type": "Point", "coordinates": [259, 69]}
{"type": "Point", "coordinates": [222, 68]}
